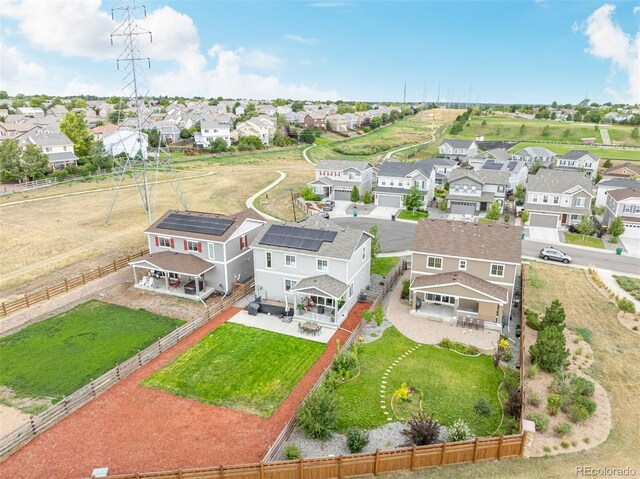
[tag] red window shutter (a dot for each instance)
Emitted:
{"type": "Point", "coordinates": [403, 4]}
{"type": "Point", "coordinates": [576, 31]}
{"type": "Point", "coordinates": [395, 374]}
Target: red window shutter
{"type": "Point", "coordinates": [157, 241]}
{"type": "Point", "coordinates": [241, 242]}
{"type": "Point", "coordinates": [246, 241]}
{"type": "Point", "coordinates": [186, 246]}
{"type": "Point", "coordinates": [199, 247]}
{"type": "Point", "coordinates": [171, 242]}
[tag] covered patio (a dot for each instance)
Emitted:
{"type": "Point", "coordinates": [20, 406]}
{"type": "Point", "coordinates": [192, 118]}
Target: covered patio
{"type": "Point", "coordinates": [320, 298]}
{"type": "Point", "coordinates": [177, 274]}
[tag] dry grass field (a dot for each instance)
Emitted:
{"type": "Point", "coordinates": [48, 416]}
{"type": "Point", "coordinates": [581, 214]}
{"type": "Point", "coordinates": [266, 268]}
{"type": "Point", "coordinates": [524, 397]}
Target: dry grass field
{"type": "Point", "coordinates": [277, 202]}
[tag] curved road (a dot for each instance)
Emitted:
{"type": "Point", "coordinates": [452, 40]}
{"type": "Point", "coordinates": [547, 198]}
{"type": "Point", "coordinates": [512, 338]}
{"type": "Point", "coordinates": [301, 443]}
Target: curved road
{"type": "Point", "coordinates": [396, 236]}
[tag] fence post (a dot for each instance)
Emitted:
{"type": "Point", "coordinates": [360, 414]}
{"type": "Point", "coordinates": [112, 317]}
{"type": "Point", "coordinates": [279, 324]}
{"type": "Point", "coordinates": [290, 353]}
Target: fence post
{"type": "Point", "coordinates": [66, 285]}
{"type": "Point", "coordinates": [500, 448]}
{"type": "Point", "coordinates": [99, 272]}
{"type": "Point", "coordinates": [221, 471]}
{"type": "Point", "coordinates": [114, 266]}
{"type": "Point", "coordinates": [139, 359]}
{"type": "Point", "coordinates": [340, 467]}
{"type": "Point", "coordinates": [375, 464]}
{"type": "Point", "coordinates": [261, 470]}
{"type": "Point", "coordinates": [444, 449]}
{"type": "Point", "coordinates": [413, 456]}
{"type": "Point", "coordinates": [46, 290]}
{"type": "Point", "coordinates": [26, 299]}
{"type": "Point", "coordinates": [83, 280]}
{"type": "Point", "coordinates": [179, 473]}
{"type": "Point", "coordinates": [118, 371]}
{"type": "Point", "coordinates": [4, 309]}
{"type": "Point", "coordinates": [301, 468]}
{"type": "Point", "coordinates": [93, 391]}
{"type": "Point", "coordinates": [475, 450]}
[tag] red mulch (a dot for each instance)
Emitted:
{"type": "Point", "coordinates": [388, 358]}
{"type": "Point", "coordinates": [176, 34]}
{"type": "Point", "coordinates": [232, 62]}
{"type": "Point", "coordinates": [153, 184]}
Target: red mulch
{"type": "Point", "coordinates": [131, 428]}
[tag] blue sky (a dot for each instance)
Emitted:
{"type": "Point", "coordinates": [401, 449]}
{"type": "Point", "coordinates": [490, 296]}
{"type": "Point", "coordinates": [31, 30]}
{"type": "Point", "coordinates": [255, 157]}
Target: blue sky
{"type": "Point", "coordinates": [491, 51]}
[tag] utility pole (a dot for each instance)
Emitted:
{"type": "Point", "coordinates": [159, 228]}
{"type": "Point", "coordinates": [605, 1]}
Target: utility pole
{"type": "Point", "coordinates": [404, 95]}
{"type": "Point", "coordinates": [293, 206]}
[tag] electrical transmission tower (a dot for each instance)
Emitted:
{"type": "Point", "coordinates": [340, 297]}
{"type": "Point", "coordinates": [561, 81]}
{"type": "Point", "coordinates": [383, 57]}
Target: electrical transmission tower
{"type": "Point", "coordinates": [132, 155]}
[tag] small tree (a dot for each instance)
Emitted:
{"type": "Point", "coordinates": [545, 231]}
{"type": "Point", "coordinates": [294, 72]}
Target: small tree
{"type": "Point", "coordinates": [607, 163]}
{"type": "Point", "coordinates": [550, 351]}
{"type": "Point", "coordinates": [308, 194]}
{"type": "Point", "coordinates": [34, 162]}
{"type": "Point", "coordinates": [525, 217]}
{"type": "Point", "coordinates": [219, 146]}
{"type": "Point", "coordinates": [520, 192]}
{"type": "Point", "coordinates": [74, 125]}
{"type": "Point", "coordinates": [535, 167]}
{"type": "Point", "coordinates": [616, 228]}
{"type": "Point", "coordinates": [523, 130]}
{"type": "Point", "coordinates": [11, 167]}
{"type": "Point", "coordinates": [635, 133]}
{"type": "Point", "coordinates": [546, 131]}
{"type": "Point", "coordinates": [494, 211]}
{"type": "Point", "coordinates": [554, 316]}
{"type": "Point", "coordinates": [443, 205]}
{"type": "Point", "coordinates": [456, 128]}
{"type": "Point", "coordinates": [318, 415]}
{"type": "Point", "coordinates": [421, 430]}
{"type": "Point", "coordinates": [367, 198]}
{"type": "Point", "coordinates": [413, 199]}
{"type": "Point", "coordinates": [586, 226]}
{"type": "Point", "coordinates": [307, 136]}
{"type": "Point", "coordinates": [355, 194]}
{"type": "Point", "coordinates": [376, 247]}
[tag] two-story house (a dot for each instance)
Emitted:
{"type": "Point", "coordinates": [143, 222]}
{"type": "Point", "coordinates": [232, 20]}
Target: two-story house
{"type": "Point", "coordinates": [471, 192]}
{"type": "Point", "coordinates": [443, 167]}
{"type": "Point", "coordinates": [518, 170]}
{"type": "Point", "coordinates": [606, 186]}
{"type": "Point", "coordinates": [315, 267]}
{"type": "Point", "coordinates": [535, 154]}
{"type": "Point", "coordinates": [260, 126]}
{"type": "Point", "coordinates": [579, 160]}
{"type": "Point", "coordinates": [462, 269]}
{"type": "Point", "coordinates": [336, 178]}
{"type": "Point", "coordinates": [125, 141]}
{"type": "Point", "coordinates": [477, 160]}
{"type": "Point", "coordinates": [315, 119]}
{"type": "Point", "coordinates": [395, 179]}
{"type": "Point", "coordinates": [210, 130]}
{"type": "Point", "coordinates": [168, 131]}
{"type": "Point", "coordinates": [337, 123]}
{"type": "Point", "coordinates": [57, 146]}
{"type": "Point", "coordinates": [623, 170]}
{"type": "Point", "coordinates": [558, 198]}
{"type": "Point", "coordinates": [457, 149]}
{"type": "Point", "coordinates": [294, 118]}
{"type": "Point", "coordinates": [624, 204]}
{"type": "Point", "coordinates": [193, 254]}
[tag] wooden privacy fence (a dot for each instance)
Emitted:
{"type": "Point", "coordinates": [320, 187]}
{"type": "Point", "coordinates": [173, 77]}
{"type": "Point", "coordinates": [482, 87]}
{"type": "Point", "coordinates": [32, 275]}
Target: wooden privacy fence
{"type": "Point", "coordinates": [13, 441]}
{"type": "Point", "coordinates": [354, 465]}
{"type": "Point", "coordinates": [49, 292]}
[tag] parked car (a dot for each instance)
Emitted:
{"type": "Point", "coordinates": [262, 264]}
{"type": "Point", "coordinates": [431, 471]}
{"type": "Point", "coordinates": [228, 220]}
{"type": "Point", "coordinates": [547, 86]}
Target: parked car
{"type": "Point", "coordinates": [328, 205]}
{"type": "Point", "coordinates": [555, 255]}
{"type": "Point", "coordinates": [518, 331]}
{"type": "Point", "coordinates": [323, 214]}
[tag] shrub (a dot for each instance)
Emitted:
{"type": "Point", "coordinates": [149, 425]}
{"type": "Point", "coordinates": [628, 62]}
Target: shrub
{"type": "Point", "coordinates": [534, 399]}
{"type": "Point", "coordinates": [532, 372]}
{"type": "Point", "coordinates": [403, 392]}
{"type": "Point", "coordinates": [308, 194]}
{"type": "Point", "coordinates": [589, 404]}
{"type": "Point", "coordinates": [511, 379]}
{"type": "Point", "coordinates": [565, 444]}
{"type": "Point", "coordinates": [554, 403]}
{"type": "Point", "coordinates": [563, 429]}
{"type": "Point", "coordinates": [421, 430]}
{"type": "Point", "coordinates": [554, 315]}
{"type": "Point", "coordinates": [514, 403]}
{"type": "Point", "coordinates": [459, 431]}
{"type": "Point", "coordinates": [483, 407]}
{"type": "Point", "coordinates": [533, 319]}
{"type": "Point", "coordinates": [578, 413]}
{"type": "Point", "coordinates": [626, 305]}
{"type": "Point", "coordinates": [357, 439]}
{"type": "Point", "coordinates": [540, 420]}
{"type": "Point", "coordinates": [318, 415]}
{"type": "Point", "coordinates": [549, 352]}
{"type": "Point", "coordinates": [291, 452]}
{"type": "Point", "coordinates": [445, 343]}
{"type": "Point", "coordinates": [582, 386]}
{"type": "Point", "coordinates": [406, 284]}
{"type": "Point", "coordinates": [345, 364]}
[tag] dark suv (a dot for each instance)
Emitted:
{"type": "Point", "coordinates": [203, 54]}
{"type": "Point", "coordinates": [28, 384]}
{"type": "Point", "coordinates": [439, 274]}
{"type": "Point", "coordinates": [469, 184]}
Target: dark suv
{"type": "Point", "coordinates": [328, 205]}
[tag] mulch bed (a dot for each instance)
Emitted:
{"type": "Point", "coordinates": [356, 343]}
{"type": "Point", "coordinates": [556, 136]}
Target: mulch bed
{"type": "Point", "coordinates": [131, 428]}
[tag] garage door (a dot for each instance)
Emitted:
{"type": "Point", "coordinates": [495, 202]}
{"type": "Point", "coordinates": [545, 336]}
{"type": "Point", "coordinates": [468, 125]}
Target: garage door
{"type": "Point", "coordinates": [631, 230]}
{"type": "Point", "coordinates": [388, 200]}
{"type": "Point", "coordinates": [545, 221]}
{"type": "Point", "coordinates": [462, 208]}
{"type": "Point", "coordinates": [341, 195]}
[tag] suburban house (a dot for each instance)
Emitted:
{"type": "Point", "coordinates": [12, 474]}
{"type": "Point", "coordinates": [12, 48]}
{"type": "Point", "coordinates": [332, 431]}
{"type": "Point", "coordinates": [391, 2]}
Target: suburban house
{"type": "Point", "coordinates": [477, 160]}
{"type": "Point", "coordinates": [471, 192]}
{"type": "Point", "coordinates": [193, 254]}
{"type": "Point", "coordinates": [316, 268]}
{"type": "Point", "coordinates": [57, 146]}
{"type": "Point", "coordinates": [99, 132]}
{"type": "Point", "coordinates": [337, 123]}
{"type": "Point", "coordinates": [294, 118]}
{"type": "Point", "coordinates": [605, 186]}
{"type": "Point", "coordinates": [314, 118]}
{"type": "Point", "coordinates": [624, 204]}
{"type": "Point", "coordinates": [395, 179]}
{"type": "Point", "coordinates": [30, 112]}
{"type": "Point", "coordinates": [126, 141]}
{"type": "Point", "coordinates": [212, 129]}
{"type": "Point", "coordinates": [352, 120]}
{"type": "Point", "coordinates": [261, 127]}
{"type": "Point", "coordinates": [558, 198]}
{"type": "Point", "coordinates": [443, 167]}
{"type": "Point", "coordinates": [535, 154]}
{"type": "Point", "coordinates": [14, 131]}
{"type": "Point", "coordinates": [518, 171]}
{"type": "Point", "coordinates": [623, 170]}
{"type": "Point", "coordinates": [457, 149]}
{"type": "Point", "coordinates": [461, 269]}
{"type": "Point", "coordinates": [336, 178]}
{"type": "Point", "coordinates": [579, 160]}
{"type": "Point", "coordinates": [168, 131]}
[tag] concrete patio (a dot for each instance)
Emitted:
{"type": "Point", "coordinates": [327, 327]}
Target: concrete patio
{"type": "Point", "coordinates": [276, 325]}
{"type": "Point", "coordinates": [431, 331]}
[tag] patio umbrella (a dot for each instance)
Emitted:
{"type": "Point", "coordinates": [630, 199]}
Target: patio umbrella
{"type": "Point", "coordinates": [286, 304]}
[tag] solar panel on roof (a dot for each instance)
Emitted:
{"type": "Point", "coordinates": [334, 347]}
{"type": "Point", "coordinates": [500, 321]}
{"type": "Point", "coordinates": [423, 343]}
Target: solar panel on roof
{"type": "Point", "coordinates": [490, 165]}
{"type": "Point", "coordinates": [512, 165]}
{"type": "Point", "coordinates": [196, 224]}
{"type": "Point", "coordinates": [298, 238]}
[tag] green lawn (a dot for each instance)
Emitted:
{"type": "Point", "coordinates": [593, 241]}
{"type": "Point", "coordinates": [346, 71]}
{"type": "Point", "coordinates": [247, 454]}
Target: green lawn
{"type": "Point", "coordinates": [242, 368]}
{"type": "Point", "coordinates": [409, 215]}
{"type": "Point", "coordinates": [55, 357]}
{"type": "Point", "coordinates": [578, 239]}
{"type": "Point", "coordinates": [630, 285]}
{"type": "Point", "coordinates": [612, 153]}
{"type": "Point", "coordinates": [382, 266]}
{"type": "Point", "coordinates": [451, 384]}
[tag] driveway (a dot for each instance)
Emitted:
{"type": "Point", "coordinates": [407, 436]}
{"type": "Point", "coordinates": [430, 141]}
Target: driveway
{"type": "Point", "coordinates": [383, 212]}
{"type": "Point", "coordinates": [395, 236]}
{"type": "Point", "coordinates": [546, 235]}
{"type": "Point", "coordinates": [340, 209]}
{"type": "Point", "coordinates": [632, 245]}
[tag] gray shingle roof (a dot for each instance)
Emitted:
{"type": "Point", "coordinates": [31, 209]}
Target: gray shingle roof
{"type": "Point", "coordinates": [323, 283]}
{"type": "Point", "coordinates": [503, 165]}
{"type": "Point", "coordinates": [558, 181]}
{"type": "Point", "coordinates": [460, 173]}
{"type": "Point", "coordinates": [625, 193]}
{"type": "Point", "coordinates": [51, 139]}
{"type": "Point", "coordinates": [402, 169]}
{"type": "Point", "coordinates": [535, 151]}
{"type": "Point", "coordinates": [576, 154]}
{"type": "Point", "coordinates": [493, 177]}
{"type": "Point", "coordinates": [458, 143]}
{"type": "Point", "coordinates": [62, 156]}
{"type": "Point", "coordinates": [176, 262]}
{"type": "Point", "coordinates": [620, 183]}
{"type": "Point", "coordinates": [465, 279]}
{"type": "Point", "coordinates": [343, 164]}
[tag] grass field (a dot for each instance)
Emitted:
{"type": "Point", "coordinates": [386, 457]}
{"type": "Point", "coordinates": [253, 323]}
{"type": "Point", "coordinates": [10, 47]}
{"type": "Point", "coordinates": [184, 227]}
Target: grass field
{"type": "Point", "coordinates": [615, 349]}
{"type": "Point", "coordinates": [241, 368]}
{"type": "Point", "coordinates": [451, 384]}
{"type": "Point", "coordinates": [382, 266]}
{"type": "Point", "coordinates": [277, 201]}
{"type": "Point", "coordinates": [410, 215]}
{"type": "Point", "coordinates": [55, 357]}
{"type": "Point", "coordinates": [630, 285]}
{"type": "Point", "coordinates": [613, 153]}
{"type": "Point", "coordinates": [578, 239]}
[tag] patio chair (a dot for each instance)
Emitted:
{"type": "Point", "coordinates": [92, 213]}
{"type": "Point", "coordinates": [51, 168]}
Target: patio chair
{"type": "Point", "coordinates": [148, 281]}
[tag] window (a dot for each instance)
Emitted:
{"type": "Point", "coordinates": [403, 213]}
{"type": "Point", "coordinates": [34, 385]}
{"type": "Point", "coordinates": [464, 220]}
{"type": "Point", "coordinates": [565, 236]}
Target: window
{"type": "Point", "coordinates": [581, 202]}
{"type": "Point", "coordinates": [268, 259]}
{"type": "Point", "coordinates": [163, 274]}
{"type": "Point", "coordinates": [434, 262]}
{"type": "Point", "coordinates": [322, 265]}
{"type": "Point", "coordinates": [545, 198]}
{"type": "Point", "coordinates": [364, 252]}
{"type": "Point", "coordinates": [534, 198]}
{"type": "Point", "coordinates": [627, 208]}
{"type": "Point", "coordinates": [575, 217]}
{"type": "Point", "coordinates": [391, 183]}
{"type": "Point", "coordinates": [351, 290]}
{"type": "Point", "coordinates": [556, 199]}
{"type": "Point", "coordinates": [192, 246]}
{"type": "Point", "coordinates": [290, 260]}
{"type": "Point", "coordinates": [244, 242]}
{"type": "Point", "coordinates": [473, 188]}
{"type": "Point", "coordinates": [211, 250]}
{"type": "Point", "coordinates": [289, 283]}
{"type": "Point", "coordinates": [462, 264]}
{"type": "Point", "coordinates": [164, 242]}
{"type": "Point", "coordinates": [497, 270]}
{"type": "Point", "coordinates": [383, 182]}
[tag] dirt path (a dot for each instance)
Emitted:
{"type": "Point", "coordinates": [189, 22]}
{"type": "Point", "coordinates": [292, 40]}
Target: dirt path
{"type": "Point", "coordinates": [11, 419]}
{"type": "Point", "coordinates": [133, 428]}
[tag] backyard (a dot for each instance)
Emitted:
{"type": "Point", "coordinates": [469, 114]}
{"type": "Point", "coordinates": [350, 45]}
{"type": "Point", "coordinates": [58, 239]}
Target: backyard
{"type": "Point", "coordinates": [450, 383]}
{"type": "Point", "coordinates": [239, 367]}
{"type": "Point", "coordinates": [383, 265]}
{"type": "Point", "coordinates": [55, 357]}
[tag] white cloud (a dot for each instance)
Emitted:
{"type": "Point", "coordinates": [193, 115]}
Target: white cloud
{"type": "Point", "coordinates": [299, 38]}
{"type": "Point", "coordinates": [261, 60]}
{"type": "Point", "coordinates": [18, 74]}
{"type": "Point", "coordinates": [607, 40]}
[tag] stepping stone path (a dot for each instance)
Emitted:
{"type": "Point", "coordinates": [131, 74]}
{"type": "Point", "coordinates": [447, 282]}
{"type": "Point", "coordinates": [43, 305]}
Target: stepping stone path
{"type": "Point", "coordinates": [385, 376]}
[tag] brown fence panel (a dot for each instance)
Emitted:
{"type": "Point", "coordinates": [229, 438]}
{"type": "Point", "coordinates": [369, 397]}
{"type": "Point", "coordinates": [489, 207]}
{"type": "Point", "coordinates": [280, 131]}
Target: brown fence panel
{"type": "Point", "coordinates": [358, 465]}
{"type": "Point", "coordinates": [392, 461]}
{"type": "Point", "coordinates": [282, 470]}
{"type": "Point", "coordinates": [427, 456]}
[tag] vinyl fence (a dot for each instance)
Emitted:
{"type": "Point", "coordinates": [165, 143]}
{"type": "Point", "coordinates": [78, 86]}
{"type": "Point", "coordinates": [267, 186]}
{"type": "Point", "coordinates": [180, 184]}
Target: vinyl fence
{"type": "Point", "coordinates": [355, 465]}
{"type": "Point", "coordinates": [13, 441]}
{"type": "Point", "coordinates": [8, 189]}
{"type": "Point", "coordinates": [49, 292]}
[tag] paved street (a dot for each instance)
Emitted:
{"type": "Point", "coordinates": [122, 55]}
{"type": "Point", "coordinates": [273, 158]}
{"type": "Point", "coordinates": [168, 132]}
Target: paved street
{"type": "Point", "coordinates": [397, 236]}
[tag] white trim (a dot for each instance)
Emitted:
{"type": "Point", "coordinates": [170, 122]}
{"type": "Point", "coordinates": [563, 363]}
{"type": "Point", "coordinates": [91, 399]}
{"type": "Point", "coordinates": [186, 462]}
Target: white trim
{"type": "Point", "coordinates": [160, 245]}
{"type": "Point", "coordinates": [496, 275]}
{"type": "Point", "coordinates": [211, 248]}
{"type": "Point", "coordinates": [430, 273]}
{"type": "Point", "coordinates": [140, 264]}
{"type": "Point", "coordinates": [497, 300]}
{"type": "Point", "coordinates": [295, 261]}
{"type": "Point", "coordinates": [367, 262]}
{"type": "Point", "coordinates": [284, 285]}
{"type": "Point", "coordinates": [322, 270]}
{"type": "Point", "coordinates": [286, 251]}
{"type": "Point", "coordinates": [460, 268]}
{"type": "Point", "coordinates": [469, 258]}
{"type": "Point", "coordinates": [268, 258]}
{"type": "Point", "coordinates": [434, 262]}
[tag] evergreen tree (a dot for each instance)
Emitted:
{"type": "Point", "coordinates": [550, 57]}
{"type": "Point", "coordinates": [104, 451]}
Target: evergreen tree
{"type": "Point", "coordinates": [549, 352]}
